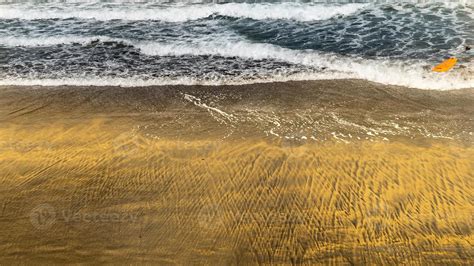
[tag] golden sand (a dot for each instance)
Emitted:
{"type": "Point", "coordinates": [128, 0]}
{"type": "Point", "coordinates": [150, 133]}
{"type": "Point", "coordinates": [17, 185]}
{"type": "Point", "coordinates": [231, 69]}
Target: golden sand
{"type": "Point", "coordinates": [328, 172]}
{"type": "Point", "coordinates": [232, 201]}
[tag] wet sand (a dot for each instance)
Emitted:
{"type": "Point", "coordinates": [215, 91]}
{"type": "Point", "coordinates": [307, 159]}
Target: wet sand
{"type": "Point", "coordinates": [346, 172]}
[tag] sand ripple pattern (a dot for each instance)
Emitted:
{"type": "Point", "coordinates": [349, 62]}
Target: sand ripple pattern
{"type": "Point", "coordinates": [229, 175]}
{"type": "Point", "coordinates": [239, 202]}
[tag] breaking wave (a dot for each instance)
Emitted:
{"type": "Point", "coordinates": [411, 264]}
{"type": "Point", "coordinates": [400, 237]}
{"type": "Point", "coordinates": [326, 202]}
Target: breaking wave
{"type": "Point", "coordinates": [292, 11]}
{"type": "Point", "coordinates": [130, 44]}
{"type": "Point", "coordinates": [411, 73]}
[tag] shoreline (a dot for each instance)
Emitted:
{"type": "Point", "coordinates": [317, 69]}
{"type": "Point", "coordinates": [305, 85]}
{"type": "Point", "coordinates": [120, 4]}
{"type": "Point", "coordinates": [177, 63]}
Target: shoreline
{"type": "Point", "coordinates": [289, 110]}
{"type": "Point", "coordinates": [308, 81]}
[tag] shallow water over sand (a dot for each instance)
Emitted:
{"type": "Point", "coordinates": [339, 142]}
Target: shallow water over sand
{"type": "Point", "coordinates": [300, 172]}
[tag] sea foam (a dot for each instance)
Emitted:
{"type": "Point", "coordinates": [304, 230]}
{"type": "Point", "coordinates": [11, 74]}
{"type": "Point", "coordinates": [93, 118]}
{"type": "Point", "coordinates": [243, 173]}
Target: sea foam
{"type": "Point", "coordinates": [410, 73]}
{"type": "Point", "coordinates": [293, 11]}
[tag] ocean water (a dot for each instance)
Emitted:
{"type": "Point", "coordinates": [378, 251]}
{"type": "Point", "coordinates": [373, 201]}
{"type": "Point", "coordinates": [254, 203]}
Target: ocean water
{"type": "Point", "coordinates": [139, 43]}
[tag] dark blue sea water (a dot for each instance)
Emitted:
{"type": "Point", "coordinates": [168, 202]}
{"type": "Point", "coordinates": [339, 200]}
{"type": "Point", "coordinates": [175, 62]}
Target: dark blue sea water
{"type": "Point", "coordinates": [230, 42]}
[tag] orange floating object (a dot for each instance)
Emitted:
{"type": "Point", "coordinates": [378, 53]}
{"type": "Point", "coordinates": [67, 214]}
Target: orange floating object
{"type": "Point", "coordinates": [446, 65]}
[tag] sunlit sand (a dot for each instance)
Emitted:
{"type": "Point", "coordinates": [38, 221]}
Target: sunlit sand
{"type": "Point", "coordinates": [92, 185]}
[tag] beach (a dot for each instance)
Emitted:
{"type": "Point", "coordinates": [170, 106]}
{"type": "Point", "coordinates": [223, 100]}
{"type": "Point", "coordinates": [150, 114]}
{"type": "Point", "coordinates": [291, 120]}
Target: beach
{"type": "Point", "coordinates": [299, 172]}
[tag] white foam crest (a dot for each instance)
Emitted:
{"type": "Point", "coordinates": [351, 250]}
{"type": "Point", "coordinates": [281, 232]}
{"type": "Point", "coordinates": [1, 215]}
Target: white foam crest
{"type": "Point", "coordinates": [51, 40]}
{"type": "Point", "coordinates": [421, 83]}
{"type": "Point", "coordinates": [226, 47]}
{"type": "Point", "coordinates": [143, 82]}
{"type": "Point", "coordinates": [292, 11]}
